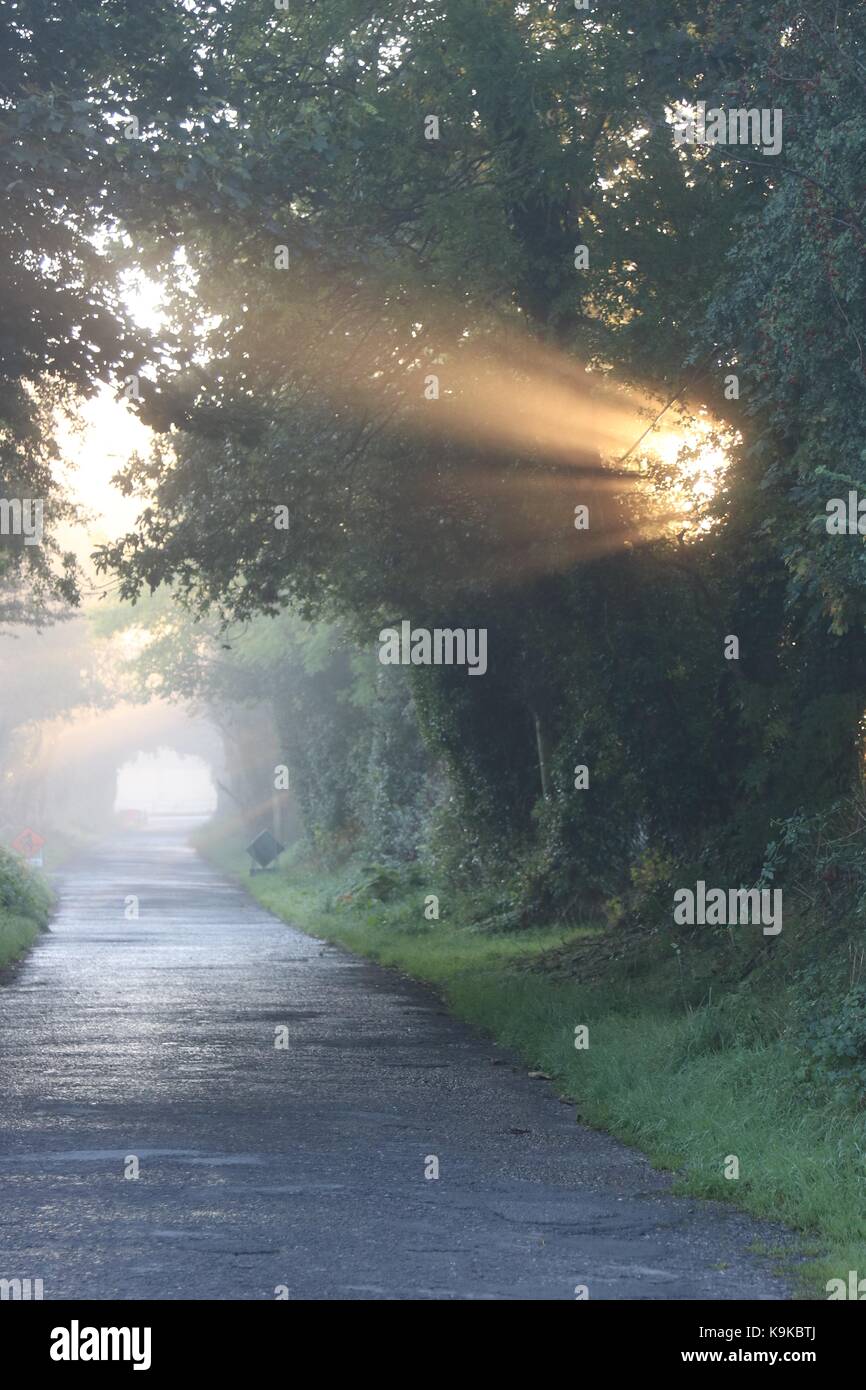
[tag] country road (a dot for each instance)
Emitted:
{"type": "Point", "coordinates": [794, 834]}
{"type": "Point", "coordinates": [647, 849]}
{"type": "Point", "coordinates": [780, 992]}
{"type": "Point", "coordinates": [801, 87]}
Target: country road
{"type": "Point", "coordinates": [154, 1040]}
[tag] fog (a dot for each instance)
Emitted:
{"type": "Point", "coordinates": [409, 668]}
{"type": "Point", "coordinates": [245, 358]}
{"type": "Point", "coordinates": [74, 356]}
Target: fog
{"type": "Point", "coordinates": [76, 749]}
{"type": "Point", "coordinates": [166, 783]}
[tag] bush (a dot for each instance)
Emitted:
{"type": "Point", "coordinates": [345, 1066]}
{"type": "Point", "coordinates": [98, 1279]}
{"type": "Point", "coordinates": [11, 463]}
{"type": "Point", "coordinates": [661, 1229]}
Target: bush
{"type": "Point", "coordinates": [22, 892]}
{"type": "Point", "coordinates": [835, 1046]}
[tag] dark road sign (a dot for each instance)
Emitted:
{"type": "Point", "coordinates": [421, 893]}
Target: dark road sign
{"type": "Point", "coordinates": [264, 849]}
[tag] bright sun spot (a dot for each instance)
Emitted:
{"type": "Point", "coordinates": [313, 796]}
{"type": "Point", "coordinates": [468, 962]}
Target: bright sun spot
{"type": "Point", "coordinates": [695, 457]}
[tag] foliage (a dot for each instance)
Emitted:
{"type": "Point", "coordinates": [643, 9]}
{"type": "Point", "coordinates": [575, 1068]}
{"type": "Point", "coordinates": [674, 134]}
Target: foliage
{"type": "Point", "coordinates": [22, 892]}
{"type": "Point", "coordinates": [300, 387]}
{"type": "Point", "coordinates": [72, 77]}
{"type": "Point", "coordinates": [835, 1046]}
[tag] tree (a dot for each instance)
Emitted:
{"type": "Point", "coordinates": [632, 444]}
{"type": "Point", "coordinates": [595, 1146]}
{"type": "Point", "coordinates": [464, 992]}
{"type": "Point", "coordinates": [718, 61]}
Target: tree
{"type": "Point", "coordinates": [86, 92]}
{"type": "Point", "coordinates": [465, 206]}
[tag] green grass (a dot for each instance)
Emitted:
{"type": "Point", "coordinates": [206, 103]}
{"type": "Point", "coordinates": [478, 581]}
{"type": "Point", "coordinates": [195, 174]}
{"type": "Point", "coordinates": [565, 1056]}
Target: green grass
{"type": "Point", "coordinates": [17, 933]}
{"type": "Point", "coordinates": [25, 907]}
{"type": "Point", "coordinates": [689, 1085]}
{"type": "Point", "coordinates": [26, 899]}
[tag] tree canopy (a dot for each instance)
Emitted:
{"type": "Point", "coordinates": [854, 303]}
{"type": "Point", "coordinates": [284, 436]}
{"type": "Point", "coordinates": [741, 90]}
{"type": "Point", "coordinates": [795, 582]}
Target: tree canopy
{"type": "Point", "coordinates": [434, 269]}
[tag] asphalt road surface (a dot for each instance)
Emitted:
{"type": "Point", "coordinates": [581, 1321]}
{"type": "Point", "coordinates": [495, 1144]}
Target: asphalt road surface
{"type": "Point", "coordinates": [263, 1169]}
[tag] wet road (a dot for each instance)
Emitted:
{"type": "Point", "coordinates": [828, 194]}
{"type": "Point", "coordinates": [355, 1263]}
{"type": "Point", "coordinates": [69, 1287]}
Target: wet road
{"type": "Point", "coordinates": [152, 1042]}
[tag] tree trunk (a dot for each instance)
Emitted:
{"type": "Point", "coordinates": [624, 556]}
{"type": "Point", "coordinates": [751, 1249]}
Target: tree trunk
{"type": "Point", "coordinates": [541, 742]}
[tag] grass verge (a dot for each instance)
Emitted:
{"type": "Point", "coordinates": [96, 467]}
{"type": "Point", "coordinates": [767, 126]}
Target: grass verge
{"type": "Point", "coordinates": [17, 933]}
{"type": "Point", "coordinates": [25, 907]}
{"type": "Point", "coordinates": [692, 1085]}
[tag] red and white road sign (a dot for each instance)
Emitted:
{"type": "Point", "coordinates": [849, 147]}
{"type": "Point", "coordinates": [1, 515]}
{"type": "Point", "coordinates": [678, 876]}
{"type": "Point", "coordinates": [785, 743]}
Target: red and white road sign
{"type": "Point", "coordinates": [28, 843]}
